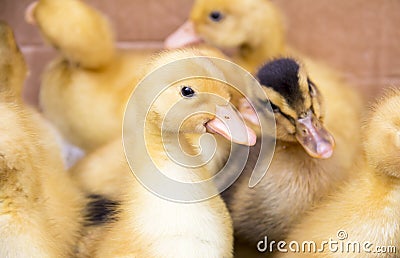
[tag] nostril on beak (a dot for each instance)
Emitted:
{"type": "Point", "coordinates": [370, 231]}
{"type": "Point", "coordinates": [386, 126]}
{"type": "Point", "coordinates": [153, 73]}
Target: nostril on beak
{"type": "Point", "coordinates": [304, 131]}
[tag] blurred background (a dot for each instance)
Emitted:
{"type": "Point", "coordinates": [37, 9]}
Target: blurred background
{"type": "Point", "coordinates": [361, 38]}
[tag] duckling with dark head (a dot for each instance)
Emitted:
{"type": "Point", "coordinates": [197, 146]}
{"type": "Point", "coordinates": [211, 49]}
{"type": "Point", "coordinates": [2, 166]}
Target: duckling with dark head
{"type": "Point", "coordinates": [367, 208]}
{"type": "Point", "coordinates": [297, 105]}
{"type": "Point", "coordinates": [316, 142]}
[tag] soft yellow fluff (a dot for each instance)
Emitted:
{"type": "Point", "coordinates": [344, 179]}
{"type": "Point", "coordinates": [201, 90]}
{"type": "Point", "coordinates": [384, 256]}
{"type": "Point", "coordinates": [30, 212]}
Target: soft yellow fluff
{"type": "Point", "coordinates": [40, 207]}
{"type": "Point", "coordinates": [12, 63]}
{"type": "Point", "coordinates": [147, 225]}
{"type": "Point", "coordinates": [367, 208]}
{"type": "Point", "coordinates": [85, 90]}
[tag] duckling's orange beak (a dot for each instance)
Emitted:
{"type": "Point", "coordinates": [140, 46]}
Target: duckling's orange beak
{"type": "Point", "coordinates": [314, 138]}
{"type": "Point", "coordinates": [183, 36]}
{"type": "Point", "coordinates": [230, 125]}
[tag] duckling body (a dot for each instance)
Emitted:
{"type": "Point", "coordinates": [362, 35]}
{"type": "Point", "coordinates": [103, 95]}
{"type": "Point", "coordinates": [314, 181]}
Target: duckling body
{"type": "Point", "coordinates": [40, 207]}
{"type": "Point", "coordinates": [84, 91]}
{"type": "Point", "coordinates": [367, 208]}
{"type": "Point", "coordinates": [40, 216]}
{"type": "Point", "coordinates": [148, 225]}
{"type": "Point", "coordinates": [300, 173]}
{"type": "Point", "coordinates": [87, 105]}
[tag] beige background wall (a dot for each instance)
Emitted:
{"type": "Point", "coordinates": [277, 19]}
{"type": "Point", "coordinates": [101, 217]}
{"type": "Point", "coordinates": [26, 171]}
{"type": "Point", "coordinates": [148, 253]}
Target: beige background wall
{"type": "Point", "coordinates": [359, 37]}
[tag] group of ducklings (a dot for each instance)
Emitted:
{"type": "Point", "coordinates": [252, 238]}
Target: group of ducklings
{"type": "Point", "coordinates": [328, 173]}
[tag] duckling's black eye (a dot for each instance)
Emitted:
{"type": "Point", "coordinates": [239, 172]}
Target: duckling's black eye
{"type": "Point", "coordinates": [274, 108]}
{"type": "Point", "coordinates": [216, 16]}
{"type": "Point", "coordinates": [187, 92]}
{"type": "Point", "coordinates": [311, 88]}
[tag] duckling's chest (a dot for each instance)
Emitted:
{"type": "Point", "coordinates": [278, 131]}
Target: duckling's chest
{"type": "Point", "coordinates": [293, 182]}
{"type": "Point", "coordinates": [296, 176]}
{"type": "Point", "coordinates": [293, 160]}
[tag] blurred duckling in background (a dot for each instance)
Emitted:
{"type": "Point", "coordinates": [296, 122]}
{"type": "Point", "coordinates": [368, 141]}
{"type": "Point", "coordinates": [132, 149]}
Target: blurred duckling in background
{"type": "Point", "coordinates": [250, 31]}
{"type": "Point", "coordinates": [367, 209]}
{"type": "Point", "coordinates": [40, 207]}
{"type": "Point", "coordinates": [148, 225]}
{"type": "Point", "coordinates": [85, 90]}
{"type": "Point", "coordinates": [310, 123]}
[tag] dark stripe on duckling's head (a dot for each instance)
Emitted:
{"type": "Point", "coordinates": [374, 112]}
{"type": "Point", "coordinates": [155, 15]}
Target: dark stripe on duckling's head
{"type": "Point", "coordinates": [100, 210]}
{"type": "Point", "coordinates": [282, 75]}
{"type": "Point", "coordinates": [297, 105]}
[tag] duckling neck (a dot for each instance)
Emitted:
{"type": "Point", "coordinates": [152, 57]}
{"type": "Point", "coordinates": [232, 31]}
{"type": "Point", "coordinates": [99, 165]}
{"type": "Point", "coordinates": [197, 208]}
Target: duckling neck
{"type": "Point", "coordinates": [253, 54]}
{"type": "Point", "coordinates": [169, 151]}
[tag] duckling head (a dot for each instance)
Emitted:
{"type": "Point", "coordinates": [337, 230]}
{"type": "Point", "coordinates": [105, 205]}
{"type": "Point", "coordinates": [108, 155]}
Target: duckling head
{"type": "Point", "coordinates": [382, 135]}
{"type": "Point", "coordinates": [297, 105]}
{"type": "Point", "coordinates": [232, 24]}
{"type": "Point", "coordinates": [199, 106]}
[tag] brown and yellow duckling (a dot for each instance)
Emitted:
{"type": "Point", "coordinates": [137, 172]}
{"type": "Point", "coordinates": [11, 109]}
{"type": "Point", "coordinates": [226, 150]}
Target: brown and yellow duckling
{"type": "Point", "coordinates": [316, 144]}
{"type": "Point", "coordinates": [365, 212]}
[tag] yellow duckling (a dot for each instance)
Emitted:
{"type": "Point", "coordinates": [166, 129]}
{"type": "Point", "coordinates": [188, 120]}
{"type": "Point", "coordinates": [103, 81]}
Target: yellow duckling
{"type": "Point", "coordinates": [40, 207]}
{"type": "Point", "coordinates": [315, 149]}
{"type": "Point", "coordinates": [250, 31]}
{"type": "Point", "coordinates": [366, 211]}
{"type": "Point", "coordinates": [85, 90]}
{"type": "Point", "coordinates": [148, 225]}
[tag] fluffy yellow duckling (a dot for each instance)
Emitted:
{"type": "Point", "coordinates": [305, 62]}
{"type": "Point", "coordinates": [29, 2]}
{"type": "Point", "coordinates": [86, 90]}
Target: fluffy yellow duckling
{"type": "Point", "coordinates": [366, 211]}
{"type": "Point", "coordinates": [315, 148]}
{"type": "Point", "coordinates": [40, 207]}
{"type": "Point", "coordinates": [85, 90]}
{"type": "Point", "coordinates": [146, 224]}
